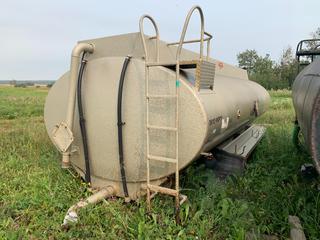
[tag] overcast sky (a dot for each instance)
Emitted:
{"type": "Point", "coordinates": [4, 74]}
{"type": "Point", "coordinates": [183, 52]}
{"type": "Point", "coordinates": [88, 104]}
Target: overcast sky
{"type": "Point", "coordinates": [37, 36]}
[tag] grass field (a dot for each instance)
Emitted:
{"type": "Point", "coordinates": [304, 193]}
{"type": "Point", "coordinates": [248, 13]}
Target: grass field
{"type": "Point", "coordinates": [35, 192]}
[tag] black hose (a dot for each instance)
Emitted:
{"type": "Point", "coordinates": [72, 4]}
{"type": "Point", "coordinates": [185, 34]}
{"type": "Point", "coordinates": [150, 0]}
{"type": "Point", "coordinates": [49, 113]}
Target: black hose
{"type": "Point", "coordinates": [120, 124]}
{"type": "Point", "coordinates": [82, 120]}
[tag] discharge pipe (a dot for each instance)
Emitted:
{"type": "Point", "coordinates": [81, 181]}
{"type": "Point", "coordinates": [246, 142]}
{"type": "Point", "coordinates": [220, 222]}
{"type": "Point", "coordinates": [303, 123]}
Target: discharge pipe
{"type": "Point", "coordinates": [74, 71]}
{"type": "Point", "coordinates": [72, 214]}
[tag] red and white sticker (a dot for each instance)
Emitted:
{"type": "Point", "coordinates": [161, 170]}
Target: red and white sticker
{"type": "Point", "coordinates": [220, 65]}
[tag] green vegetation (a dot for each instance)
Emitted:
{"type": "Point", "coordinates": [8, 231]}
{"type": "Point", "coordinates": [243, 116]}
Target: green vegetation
{"type": "Point", "coordinates": [36, 192]}
{"type": "Point", "coordinates": [268, 73]}
{"type": "Point", "coordinates": [273, 74]}
{"type": "Point", "coordinates": [21, 103]}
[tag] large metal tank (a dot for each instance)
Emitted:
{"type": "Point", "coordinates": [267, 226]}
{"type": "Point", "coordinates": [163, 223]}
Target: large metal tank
{"type": "Point", "coordinates": [208, 116]}
{"type": "Point", "coordinates": [306, 101]}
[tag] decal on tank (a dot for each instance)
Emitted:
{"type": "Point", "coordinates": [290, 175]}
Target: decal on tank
{"type": "Point", "coordinates": [225, 122]}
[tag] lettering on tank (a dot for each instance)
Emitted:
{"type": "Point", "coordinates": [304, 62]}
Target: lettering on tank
{"type": "Point", "coordinates": [215, 120]}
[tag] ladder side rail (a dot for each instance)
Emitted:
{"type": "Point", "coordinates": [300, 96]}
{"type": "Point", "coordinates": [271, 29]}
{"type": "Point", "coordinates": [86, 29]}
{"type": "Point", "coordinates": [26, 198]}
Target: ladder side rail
{"type": "Point", "coordinates": [147, 135]}
{"type": "Point", "coordinates": [157, 37]}
{"type": "Point", "coordinates": [208, 44]}
{"type": "Point", "coordinates": [177, 181]}
{"type": "Point", "coordinates": [184, 30]}
{"type": "Point", "coordinates": [208, 50]}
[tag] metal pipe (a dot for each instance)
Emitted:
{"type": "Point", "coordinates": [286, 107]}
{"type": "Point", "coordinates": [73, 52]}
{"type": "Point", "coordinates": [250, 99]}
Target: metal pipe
{"type": "Point", "coordinates": [72, 214]}
{"type": "Point", "coordinates": [188, 41]}
{"type": "Point", "coordinates": [192, 41]}
{"type": "Point", "coordinates": [208, 50]}
{"type": "Point", "coordinates": [74, 70]}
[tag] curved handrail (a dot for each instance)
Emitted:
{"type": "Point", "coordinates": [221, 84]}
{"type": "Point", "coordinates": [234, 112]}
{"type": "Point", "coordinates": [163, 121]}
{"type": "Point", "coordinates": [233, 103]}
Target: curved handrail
{"type": "Point", "coordinates": [184, 30]}
{"type": "Point", "coordinates": [143, 39]}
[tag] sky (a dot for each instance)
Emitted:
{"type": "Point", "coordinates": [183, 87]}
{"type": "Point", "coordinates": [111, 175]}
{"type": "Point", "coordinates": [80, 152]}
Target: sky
{"type": "Point", "coordinates": [37, 36]}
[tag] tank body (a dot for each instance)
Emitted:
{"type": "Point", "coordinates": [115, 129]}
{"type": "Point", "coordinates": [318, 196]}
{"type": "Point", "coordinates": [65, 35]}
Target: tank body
{"type": "Point", "coordinates": [306, 101]}
{"type": "Point", "coordinates": [206, 117]}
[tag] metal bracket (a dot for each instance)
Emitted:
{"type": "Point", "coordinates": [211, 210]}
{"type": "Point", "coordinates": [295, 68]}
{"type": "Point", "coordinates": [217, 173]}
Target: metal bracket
{"type": "Point", "coordinates": [62, 136]}
{"type": "Point", "coordinates": [244, 144]}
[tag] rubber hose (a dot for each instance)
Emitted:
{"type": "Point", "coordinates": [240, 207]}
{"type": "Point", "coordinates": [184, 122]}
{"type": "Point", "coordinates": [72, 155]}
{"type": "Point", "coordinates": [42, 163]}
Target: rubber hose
{"type": "Point", "coordinates": [82, 120]}
{"type": "Point", "coordinates": [120, 125]}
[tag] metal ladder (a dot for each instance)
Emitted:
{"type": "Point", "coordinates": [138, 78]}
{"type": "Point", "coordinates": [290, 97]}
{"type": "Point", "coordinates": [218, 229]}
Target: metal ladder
{"type": "Point", "coordinates": [178, 64]}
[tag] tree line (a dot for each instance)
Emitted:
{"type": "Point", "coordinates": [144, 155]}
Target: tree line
{"type": "Point", "coordinates": [269, 73]}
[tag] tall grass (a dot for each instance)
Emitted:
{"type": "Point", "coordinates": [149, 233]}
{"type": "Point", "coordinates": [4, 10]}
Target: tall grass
{"type": "Point", "coordinates": [35, 192]}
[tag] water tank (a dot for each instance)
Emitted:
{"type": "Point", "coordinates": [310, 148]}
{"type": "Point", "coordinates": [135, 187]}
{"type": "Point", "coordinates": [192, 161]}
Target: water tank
{"type": "Point", "coordinates": [204, 101]}
{"type": "Point", "coordinates": [306, 101]}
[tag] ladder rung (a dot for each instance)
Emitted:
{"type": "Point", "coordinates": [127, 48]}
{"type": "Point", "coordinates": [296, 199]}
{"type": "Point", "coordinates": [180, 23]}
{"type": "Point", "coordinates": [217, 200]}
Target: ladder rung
{"type": "Point", "coordinates": [162, 159]}
{"type": "Point", "coordinates": [162, 96]}
{"type": "Point", "coordinates": [163, 190]}
{"type": "Point", "coordinates": [162, 128]}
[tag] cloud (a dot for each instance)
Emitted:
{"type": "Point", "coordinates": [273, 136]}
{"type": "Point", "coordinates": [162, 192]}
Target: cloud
{"type": "Point", "coordinates": [37, 36]}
